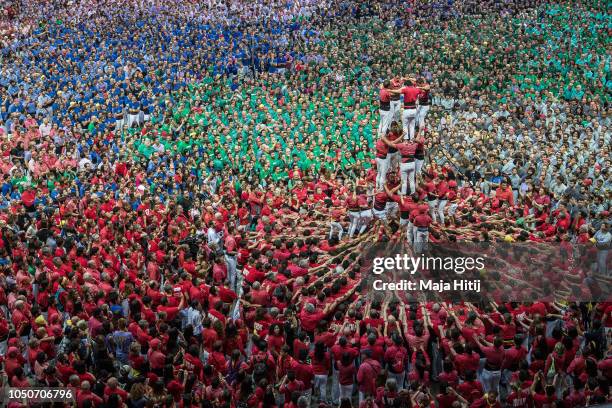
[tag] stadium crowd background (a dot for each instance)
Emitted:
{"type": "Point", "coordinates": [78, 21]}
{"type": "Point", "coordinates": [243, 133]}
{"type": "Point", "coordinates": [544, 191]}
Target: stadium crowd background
{"type": "Point", "coordinates": [171, 172]}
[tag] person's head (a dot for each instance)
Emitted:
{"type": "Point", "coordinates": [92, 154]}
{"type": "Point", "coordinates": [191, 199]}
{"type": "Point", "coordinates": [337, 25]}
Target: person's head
{"type": "Point", "coordinates": [491, 396]}
{"type": "Point", "coordinates": [391, 385]}
{"type": "Point", "coordinates": [345, 403]}
{"type": "Point", "coordinates": [302, 402]}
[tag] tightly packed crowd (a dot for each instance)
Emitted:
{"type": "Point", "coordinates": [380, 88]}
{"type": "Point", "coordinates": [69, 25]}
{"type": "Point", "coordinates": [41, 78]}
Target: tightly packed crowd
{"type": "Point", "coordinates": [188, 189]}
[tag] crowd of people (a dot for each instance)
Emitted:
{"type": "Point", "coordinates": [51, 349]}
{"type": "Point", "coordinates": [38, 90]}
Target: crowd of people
{"type": "Point", "coordinates": [191, 188]}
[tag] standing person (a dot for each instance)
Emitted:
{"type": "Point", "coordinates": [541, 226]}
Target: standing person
{"type": "Point", "coordinates": [396, 357]}
{"type": "Point", "coordinates": [382, 162]}
{"type": "Point", "coordinates": [380, 205]}
{"type": "Point", "coordinates": [321, 364]}
{"type": "Point", "coordinates": [396, 103]}
{"type": "Point", "coordinates": [424, 102]}
{"type": "Point", "coordinates": [385, 108]}
{"type": "Point", "coordinates": [494, 357]}
{"type": "Point", "coordinates": [407, 151]}
{"type": "Point", "coordinates": [442, 191]}
{"type": "Point", "coordinates": [392, 137]}
{"type": "Point", "coordinates": [432, 196]}
{"type": "Point", "coordinates": [419, 156]}
{"type": "Point", "coordinates": [133, 113]}
{"type": "Point", "coordinates": [346, 374]}
{"type": "Point", "coordinates": [365, 212]}
{"type": "Point", "coordinates": [122, 340]}
{"type": "Point", "coordinates": [515, 184]}
{"type": "Point", "coordinates": [411, 94]}
{"type": "Point", "coordinates": [344, 356]}
{"type": "Point", "coordinates": [366, 375]}
{"type": "Point", "coordinates": [603, 237]}
{"type": "Point", "coordinates": [304, 372]}
{"type": "Point", "coordinates": [352, 204]}
{"type": "Point", "coordinates": [231, 260]}
{"type": "Point", "coordinates": [406, 206]}
{"type": "Point", "coordinates": [421, 223]}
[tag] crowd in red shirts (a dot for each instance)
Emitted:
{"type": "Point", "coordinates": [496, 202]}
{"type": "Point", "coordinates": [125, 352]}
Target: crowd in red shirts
{"type": "Point", "coordinates": [203, 288]}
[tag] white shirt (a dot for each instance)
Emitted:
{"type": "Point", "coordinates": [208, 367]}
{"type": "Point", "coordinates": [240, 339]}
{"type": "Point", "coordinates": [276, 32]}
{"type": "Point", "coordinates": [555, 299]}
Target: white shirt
{"type": "Point", "coordinates": [212, 236]}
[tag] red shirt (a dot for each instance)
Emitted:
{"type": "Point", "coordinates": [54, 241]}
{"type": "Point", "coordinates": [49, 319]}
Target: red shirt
{"type": "Point", "coordinates": [320, 367]}
{"type": "Point", "coordinates": [381, 149]}
{"type": "Point", "coordinates": [291, 387]}
{"type": "Point", "coordinates": [310, 320]}
{"type": "Point", "coordinates": [513, 356]}
{"type": "Point", "coordinates": [543, 401]}
{"type": "Point", "coordinates": [305, 373]}
{"type": "Point", "coordinates": [346, 373]}
{"type": "Point", "coordinates": [442, 190]}
{"type": "Point", "coordinates": [337, 351]}
{"type": "Point", "coordinates": [384, 95]}
{"type": "Point", "coordinates": [83, 396]}
{"type": "Point", "coordinates": [366, 376]}
{"type": "Point", "coordinates": [392, 137]}
{"type": "Point", "coordinates": [445, 400]}
{"type": "Point", "coordinates": [380, 200]}
{"type": "Point", "coordinates": [505, 195]}
{"type": "Point", "coordinates": [519, 399]}
{"type": "Point", "coordinates": [422, 221]}
{"type": "Point", "coordinates": [494, 356]}
{"type": "Point", "coordinates": [411, 94]}
{"type": "Point", "coordinates": [385, 99]}
{"type": "Point", "coordinates": [407, 151]}
{"type": "Point", "coordinates": [471, 391]}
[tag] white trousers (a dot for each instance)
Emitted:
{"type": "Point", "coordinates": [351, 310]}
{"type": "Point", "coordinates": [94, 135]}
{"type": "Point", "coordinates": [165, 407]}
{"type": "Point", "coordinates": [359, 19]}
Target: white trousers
{"type": "Point", "coordinates": [133, 119]}
{"type": "Point", "coordinates": [394, 159]}
{"type": "Point", "coordinates": [335, 392]}
{"type": "Point", "coordinates": [396, 108]}
{"type": "Point", "coordinates": [391, 209]}
{"type": "Point", "coordinates": [421, 239]}
{"type": "Point", "coordinates": [354, 217]}
{"type": "Point", "coordinates": [421, 114]}
{"type": "Point", "coordinates": [407, 176]}
{"type": "Point", "coordinates": [365, 217]}
{"type": "Point", "coordinates": [336, 228]}
{"type": "Point", "coordinates": [385, 121]}
{"type": "Point", "coordinates": [440, 210]}
{"type": "Point", "coordinates": [382, 166]}
{"type": "Point", "coordinates": [346, 391]}
{"type": "Point", "coordinates": [320, 386]}
{"type": "Point", "coordinates": [433, 209]}
{"type": "Point", "coordinates": [399, 379]}
{"type": "Point", "coordinates": [410, 232]}
{"type": "Point", "coordinates": [380, 214]}
{"type": "Point", "coordinates": [409, 123]}
{"type": "Point", "coordinates": [419, 166]}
